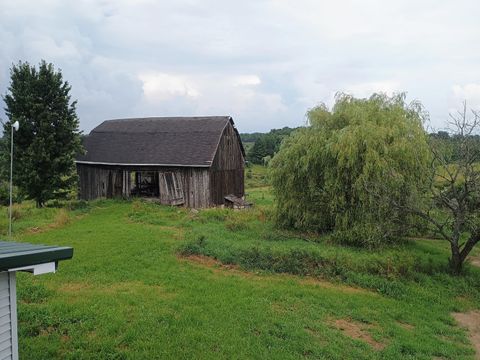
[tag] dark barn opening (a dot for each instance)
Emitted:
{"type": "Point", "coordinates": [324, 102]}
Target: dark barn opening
{"type": "Point", "coordinates": [146, 184]}
{"type": "Point", "coordinates": [190, 161]}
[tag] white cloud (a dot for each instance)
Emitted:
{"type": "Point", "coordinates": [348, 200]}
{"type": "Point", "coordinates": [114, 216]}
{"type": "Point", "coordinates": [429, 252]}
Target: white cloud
{"type": "Point", "coordinates": [246, 80]}
{"type": "Point", "coordinates": [265, 62]}
{"type": "Point", "coordinates": [210, 94]}
{"type": "Point", "coordinates": [366, 89]}
{"type": "Point", "coordinates": [162, 86]}
{"type": "Point", "coordinates": [47, 47]}
{"type": "Point", "coordinates": [469, 93]}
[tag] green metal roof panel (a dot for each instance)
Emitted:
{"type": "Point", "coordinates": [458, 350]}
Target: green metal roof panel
{"type": "Point", "coordinates": [13, 254]}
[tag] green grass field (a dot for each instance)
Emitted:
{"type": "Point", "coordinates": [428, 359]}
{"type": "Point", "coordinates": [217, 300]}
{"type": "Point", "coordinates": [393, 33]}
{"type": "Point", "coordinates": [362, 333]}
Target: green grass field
{"type": "Point", "coordinates": [150, 281]}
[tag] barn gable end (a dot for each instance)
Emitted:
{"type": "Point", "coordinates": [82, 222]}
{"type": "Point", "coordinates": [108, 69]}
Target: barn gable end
{"type": "Point", "coordinates": [227, 170]}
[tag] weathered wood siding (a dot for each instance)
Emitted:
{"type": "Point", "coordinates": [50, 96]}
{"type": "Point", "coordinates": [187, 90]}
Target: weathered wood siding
{"type": "Point", "coordinates": [196, 187]}
{"type": "Point", "coordinates": [102, 182]}
{"type": "Point", "coordinates": [188, 186]}
{"type": "Point", "coordinates": [227, 170]}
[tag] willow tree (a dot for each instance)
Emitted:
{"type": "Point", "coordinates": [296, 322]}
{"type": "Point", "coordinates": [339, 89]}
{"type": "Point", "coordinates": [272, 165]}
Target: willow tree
{"type": "Point", "coordinates": [332, 174]}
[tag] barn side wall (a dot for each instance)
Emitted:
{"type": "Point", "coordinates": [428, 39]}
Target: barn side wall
{"type": "Point", "coordinates": [185, 186]}
{"type": "Point", "coordinates": [227, 170]}
{"type": "Point", "coordinates": [100, 182]}
{"type": "Point", "coordinates": [177, 186]}
{"type": "Point", "coordinates": [196, 187]}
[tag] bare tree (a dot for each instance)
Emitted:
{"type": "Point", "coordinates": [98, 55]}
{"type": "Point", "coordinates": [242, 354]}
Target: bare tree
{"type": "Point", "coordinates": [452, 202]}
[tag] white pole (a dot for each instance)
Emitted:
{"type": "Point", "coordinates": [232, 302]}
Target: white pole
{"type": "Point", "coordinates": [11, 184]}
{"type": "Point", "coordinates": [15, 126]}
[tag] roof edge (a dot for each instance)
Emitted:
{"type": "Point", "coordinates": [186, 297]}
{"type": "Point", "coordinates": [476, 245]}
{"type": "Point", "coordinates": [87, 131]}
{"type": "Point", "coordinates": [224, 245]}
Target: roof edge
{"type": "Point", "coordinates": [130, 164]}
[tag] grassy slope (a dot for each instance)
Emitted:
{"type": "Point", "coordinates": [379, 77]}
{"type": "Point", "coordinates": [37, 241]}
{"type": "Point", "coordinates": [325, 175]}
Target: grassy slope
{"type": "Point", "coordinates": [127, 294]}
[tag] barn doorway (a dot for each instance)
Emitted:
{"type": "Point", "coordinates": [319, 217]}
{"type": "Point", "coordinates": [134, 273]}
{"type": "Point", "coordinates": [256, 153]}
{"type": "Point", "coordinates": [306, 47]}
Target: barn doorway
{"type": "Point", "coordinates": [146, 184]}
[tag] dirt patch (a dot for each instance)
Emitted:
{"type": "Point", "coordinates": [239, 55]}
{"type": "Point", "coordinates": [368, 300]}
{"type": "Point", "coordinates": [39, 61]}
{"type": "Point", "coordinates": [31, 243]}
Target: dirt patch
{"type": "Point", "coordinates": [215, 264]}
{"type": "Point", "coordinates": [475, 260]}
{"type": "Point", "coordinates": [358, 331]}
{"type": "Point", "coordinates": [471, 322]}
{"type": "Point", "coordinates": [61, 219]}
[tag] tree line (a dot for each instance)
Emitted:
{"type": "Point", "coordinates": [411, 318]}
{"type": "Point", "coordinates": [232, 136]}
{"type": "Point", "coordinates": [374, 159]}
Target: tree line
{"type": "Point", "coordinates": [266, 145]}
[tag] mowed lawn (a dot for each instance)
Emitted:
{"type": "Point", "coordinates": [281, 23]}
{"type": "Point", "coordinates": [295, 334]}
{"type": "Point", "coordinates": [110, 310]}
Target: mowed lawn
{"type": "Point", "coordinates": [129, 294]}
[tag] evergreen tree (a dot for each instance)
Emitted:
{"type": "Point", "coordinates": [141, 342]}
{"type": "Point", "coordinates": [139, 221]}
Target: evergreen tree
{"type": "Point", "coordinates": [266, 144]}
{"type": "Point", "coordinates": [48, 140]}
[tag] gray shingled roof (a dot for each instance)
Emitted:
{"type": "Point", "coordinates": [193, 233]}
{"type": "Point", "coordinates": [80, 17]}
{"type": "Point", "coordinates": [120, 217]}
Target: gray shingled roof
{"type": "Point", "coordinates": [176, 141]}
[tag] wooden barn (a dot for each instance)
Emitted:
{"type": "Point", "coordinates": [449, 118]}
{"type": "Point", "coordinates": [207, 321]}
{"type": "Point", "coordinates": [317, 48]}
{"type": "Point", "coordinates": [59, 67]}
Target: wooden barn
{"type": "Point", "coordinates": [190, 161]}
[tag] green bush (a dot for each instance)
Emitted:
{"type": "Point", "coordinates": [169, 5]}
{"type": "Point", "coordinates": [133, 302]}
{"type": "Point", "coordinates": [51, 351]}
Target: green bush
{"type": "Point", "coordinates": [5, 194]}
{"type": "Point", "coordinates": [195, 247]}
{"type": "Point", "coordinates": [236, 224]}
{"type": "Point", "coordinates": [362, 235]}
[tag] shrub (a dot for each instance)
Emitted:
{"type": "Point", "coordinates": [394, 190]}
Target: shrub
{"type": "Point", "coordinates": [5, 194]}
{"type": "Point", "coordinates": [17, 213]}
{"type": "Point", "coordinates": [62, 218]}
{"type": "Point", "coordinates": [195, 247]}
{"type": "Point", "coordinates": [78, 205]}
{"type": "Point", "coordinates": [361, 235]}
{"type": "Point", "coordinates": [236, 224]}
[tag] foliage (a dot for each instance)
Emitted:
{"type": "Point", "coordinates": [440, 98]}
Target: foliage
{"type": "Point", "coordinates": [256, 176]}
{"type": "Point", "coordinates": [251, 137]}
{"type": "Point", "coordinates": [48, 140]}
{"type": "Point", "coordinates": [450, 144]}
{"type": "Point", "coordinates": [324, 175]}
{"type": "Point", "coordinates": [452, 189]}
{"type": "Point", "coordinates": [5, 193]}
{"type": "Point", "coordinates": [266, 145]}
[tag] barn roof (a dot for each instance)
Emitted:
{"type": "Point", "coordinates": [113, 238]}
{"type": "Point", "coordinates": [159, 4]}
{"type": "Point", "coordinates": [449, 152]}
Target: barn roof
{"type": "Point", "coordinates": [156, 141]}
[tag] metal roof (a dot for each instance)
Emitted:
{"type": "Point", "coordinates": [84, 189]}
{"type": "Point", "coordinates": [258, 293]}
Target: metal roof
{"type": "Point", "coordinates": [13, 254]}
{"type": "Point", "coordinates": [156, 141]}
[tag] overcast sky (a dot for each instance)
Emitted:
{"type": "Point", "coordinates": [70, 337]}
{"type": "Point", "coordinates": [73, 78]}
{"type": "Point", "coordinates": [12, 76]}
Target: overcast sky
{"type": "Point", "coordinates": [263, 62]}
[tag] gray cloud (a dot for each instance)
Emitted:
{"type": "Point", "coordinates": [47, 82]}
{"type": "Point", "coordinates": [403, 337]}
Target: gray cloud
{"type": "Point", "coordinates": [263, 62]}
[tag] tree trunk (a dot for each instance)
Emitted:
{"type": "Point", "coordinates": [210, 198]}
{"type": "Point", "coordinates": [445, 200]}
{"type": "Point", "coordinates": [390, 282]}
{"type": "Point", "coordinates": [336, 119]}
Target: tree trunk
{"type": "Point", "coordinates": [456, 260]}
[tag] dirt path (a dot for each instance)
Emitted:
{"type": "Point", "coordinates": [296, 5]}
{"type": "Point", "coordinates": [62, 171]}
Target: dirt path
{"type": "Point", "coordinates": [358, 331]}
{"type": "Point", "coordinates": [475, 260]}
{"type": "Point", "coordinates": [471, 321]}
